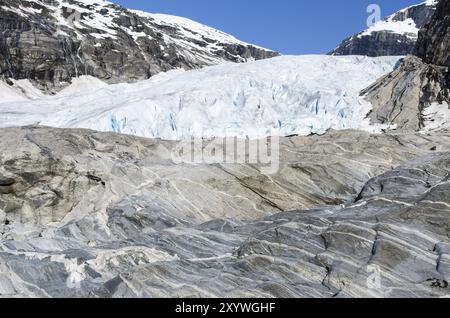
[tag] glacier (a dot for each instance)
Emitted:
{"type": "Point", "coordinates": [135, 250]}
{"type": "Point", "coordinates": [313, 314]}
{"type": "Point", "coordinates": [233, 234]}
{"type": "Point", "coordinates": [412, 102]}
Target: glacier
{"type": "Point", "coordinates": [288, 95]}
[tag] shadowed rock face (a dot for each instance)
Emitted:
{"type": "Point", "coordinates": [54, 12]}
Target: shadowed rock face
{"type": "Point", "coordinates": [377, 44]}
{"type": "Point", "coordinates": [434, 39]}
{"type": "Point", "coordinates": [93, 214]}
{"type": "Point", "coordinates": [401, 97]}
{"type": "Point", "coordinates": [388, 42]}
{"type": "Point", "coordinates": [51, 42]}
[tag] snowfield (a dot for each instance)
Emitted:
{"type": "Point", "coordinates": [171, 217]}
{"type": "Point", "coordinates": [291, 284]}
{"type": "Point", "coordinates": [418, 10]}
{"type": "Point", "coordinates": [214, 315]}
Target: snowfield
{"type": "Point", "coordinates": [284, 95]}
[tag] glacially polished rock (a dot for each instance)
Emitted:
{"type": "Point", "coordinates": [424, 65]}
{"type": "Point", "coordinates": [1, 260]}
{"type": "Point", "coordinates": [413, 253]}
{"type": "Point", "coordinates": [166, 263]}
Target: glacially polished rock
{"type": "Point", "coordinates": [88, 214]}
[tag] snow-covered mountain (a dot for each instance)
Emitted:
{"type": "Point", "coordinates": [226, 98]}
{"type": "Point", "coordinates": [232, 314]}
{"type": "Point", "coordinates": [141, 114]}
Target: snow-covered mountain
{"type": "Point", "coordinates": [395, 35]}
{"type": "Point", "coordinates": [283, 95]}
{"type": "Point", "coordinates": [50, 42]}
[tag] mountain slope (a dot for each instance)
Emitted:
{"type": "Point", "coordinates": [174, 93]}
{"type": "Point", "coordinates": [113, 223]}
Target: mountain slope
{"type": "Point", "coordinates": [433, 46]}
{"type": "Point", "coordinates": [51, 42]}
{"type": "Point", "coordinates": [395, 35]}
{"type": "Point", "coordinates": [282, 95]}
{"type": "Point", "coordinates": [417, 95]}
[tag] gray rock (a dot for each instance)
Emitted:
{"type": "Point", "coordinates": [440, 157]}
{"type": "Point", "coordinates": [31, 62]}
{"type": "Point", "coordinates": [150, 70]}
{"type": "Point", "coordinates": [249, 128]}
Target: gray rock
{"type": "Point", "coordinates": [103, 215]}
{"type": "Point", "coordinates": [382, 43]}
{"type": "Point", "coordinates": [51, 173]}
{"type": "Point", "coordinates": [434, 39]}
{"type": "Point", "coordinates": [400, 98]}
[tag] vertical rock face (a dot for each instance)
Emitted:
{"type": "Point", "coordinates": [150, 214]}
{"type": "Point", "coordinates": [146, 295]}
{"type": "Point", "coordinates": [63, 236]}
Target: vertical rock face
{"type": "Point", "coordinates": [396, 35]}
{"type": "Point", "coordinates": [433, 46]}
{"type": "Point", "coordinates": [402, 97]}
{"type": "Point", "coordinates": [52, 41]}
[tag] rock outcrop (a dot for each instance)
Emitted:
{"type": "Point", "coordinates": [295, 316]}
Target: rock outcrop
{"type": "Point", "coordinates": [402, 97]}
{"type": "Point", "coordinates": [433, 46]}
{"type": "Point", "coordinates": [88, 214]}
{"type": "Point", "coordinates": [50, 42]}
{"type": "Point", "coordinates": [395, 36]}
{"type": "Point", "coordinates": [50, 173]}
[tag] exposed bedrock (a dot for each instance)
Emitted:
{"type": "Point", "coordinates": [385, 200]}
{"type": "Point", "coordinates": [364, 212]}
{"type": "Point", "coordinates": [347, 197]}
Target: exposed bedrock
{"type": "Point", "coordinates": [47, 174]}
{"type": "Point", "coordinates": [88, 214]}
{"type": "Point", "coordinates": [402, 97]}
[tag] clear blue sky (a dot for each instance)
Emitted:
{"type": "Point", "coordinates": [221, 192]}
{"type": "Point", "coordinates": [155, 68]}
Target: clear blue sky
{"type": "Point", "coordinates": [287, 26]}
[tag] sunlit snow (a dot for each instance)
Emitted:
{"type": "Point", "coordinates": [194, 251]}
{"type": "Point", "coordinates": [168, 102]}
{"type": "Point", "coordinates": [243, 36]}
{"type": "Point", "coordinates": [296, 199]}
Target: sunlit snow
{"type": "Point", "coordinates": [284, 95]}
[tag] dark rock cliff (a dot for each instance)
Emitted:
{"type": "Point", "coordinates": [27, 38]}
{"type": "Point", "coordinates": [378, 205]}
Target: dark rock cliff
{"type": "Point", "coordinates": [433, 45]}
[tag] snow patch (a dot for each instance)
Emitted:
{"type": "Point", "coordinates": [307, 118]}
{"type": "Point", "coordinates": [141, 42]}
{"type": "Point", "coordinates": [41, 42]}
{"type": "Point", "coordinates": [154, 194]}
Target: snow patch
{"type": "Point", "coordinates": [83, 84]}
{"type": "Point", "coordinates": [21, 90]}
{"type": "Point", "coordinates": [407, 27]}
{"type": "Point", "coordinates": [437, 116]}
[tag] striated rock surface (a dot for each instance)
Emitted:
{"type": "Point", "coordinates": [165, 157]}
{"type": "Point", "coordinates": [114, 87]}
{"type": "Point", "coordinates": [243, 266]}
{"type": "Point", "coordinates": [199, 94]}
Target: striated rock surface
{"type": "Point", "coordinates": [50, 42]}
{"type": "Point", "coordinates": [89, 214]}
{"type": "Point", "coordinates": [394, 36]}
{"type": "Point", "coordinates": [403, 97]}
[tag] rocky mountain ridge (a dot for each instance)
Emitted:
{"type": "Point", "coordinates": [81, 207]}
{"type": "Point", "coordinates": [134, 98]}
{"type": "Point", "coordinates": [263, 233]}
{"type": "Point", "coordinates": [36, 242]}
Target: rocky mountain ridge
{"type": "Point", "coordinates": [394, 36]}
{"type": "Point", "coordinates": [404, 97]}
{"type": "Point", "coordinates": [50, 42]}
{"type": "Point", "coordinates": [433, 46]}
